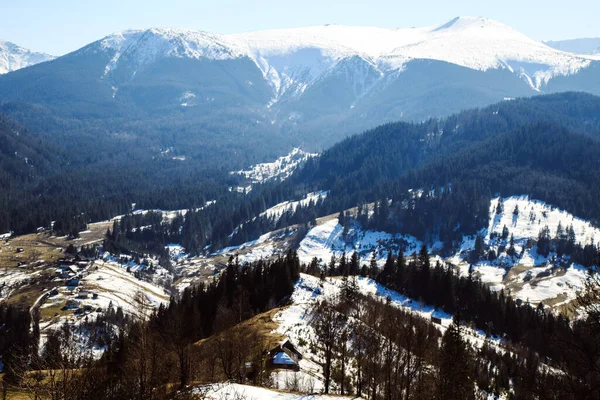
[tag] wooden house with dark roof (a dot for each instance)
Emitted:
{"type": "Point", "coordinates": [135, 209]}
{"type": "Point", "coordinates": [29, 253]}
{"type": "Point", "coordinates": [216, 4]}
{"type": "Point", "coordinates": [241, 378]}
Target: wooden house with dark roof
{"type": "Point", "coordinates": [285, 356]}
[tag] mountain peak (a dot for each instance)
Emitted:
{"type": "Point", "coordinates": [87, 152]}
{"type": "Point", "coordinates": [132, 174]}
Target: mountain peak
{"type": "Point", "coordinates": [470, 22]}
{"type": "Point", "coordinates": [14, 57]}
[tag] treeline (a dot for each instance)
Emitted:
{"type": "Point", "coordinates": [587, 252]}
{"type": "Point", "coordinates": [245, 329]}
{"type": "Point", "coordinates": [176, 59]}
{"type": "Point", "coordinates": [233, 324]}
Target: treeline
{"type": "Point", "coordinates": [217, 225]}
{"type": "Point", "coordinates": [543, 160]}
{"type": "Point", "coordinates": [509, 148]}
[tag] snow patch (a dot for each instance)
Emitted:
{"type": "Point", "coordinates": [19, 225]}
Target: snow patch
{"type": "Point", "coordinates": [280, 169]}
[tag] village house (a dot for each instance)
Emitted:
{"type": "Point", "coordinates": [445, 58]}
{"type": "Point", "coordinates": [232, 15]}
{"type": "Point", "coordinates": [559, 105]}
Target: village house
{"type": "Point", "coordinates": [285, 356]}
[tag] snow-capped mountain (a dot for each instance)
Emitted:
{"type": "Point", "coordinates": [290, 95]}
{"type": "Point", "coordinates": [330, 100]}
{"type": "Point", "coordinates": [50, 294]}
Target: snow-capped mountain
{"type": "Point", "coordinates": [339, 79]}
{"type": "Point", "coordinates": [296, 58]}
{"type": "Point", "coordinates": [13, 57]}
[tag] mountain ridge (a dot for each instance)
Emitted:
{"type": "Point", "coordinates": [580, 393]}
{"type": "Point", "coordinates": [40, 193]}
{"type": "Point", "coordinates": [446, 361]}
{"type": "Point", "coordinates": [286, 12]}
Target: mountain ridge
{"type": "Point", "coordinates": [316, 49]}
{"type": "Point", "coordinates": [587, 46]}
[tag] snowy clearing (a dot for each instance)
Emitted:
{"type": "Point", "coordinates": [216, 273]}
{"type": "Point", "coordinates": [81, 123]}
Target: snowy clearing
{"type": "Point", "coordinates": [236, 391]}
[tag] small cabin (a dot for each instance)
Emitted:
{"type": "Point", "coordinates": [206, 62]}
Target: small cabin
{"type": "Point", "coordinates": [436, 320]}
{"type": "Point", "coordinates": [285, 356]}
{"type": "Point", "coordinates": [73, 283]}
{"type": "Point", "coordinates": [83, 295]}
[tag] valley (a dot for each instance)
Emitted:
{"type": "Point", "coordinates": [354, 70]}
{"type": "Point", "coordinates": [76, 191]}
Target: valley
{"type": "Point", "coordinates": [321, 212]}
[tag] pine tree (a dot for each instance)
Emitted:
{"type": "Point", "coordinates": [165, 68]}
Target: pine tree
{"type": "Point", "coordinates": [571, 240]}
{"type": "Point", "coordinates": [511, 248]}
{"type": "Point", "coordinates": [331, 270]}
{"type": "Point", "coordinates": [389, 270]}
{"type": "Point", "coordinates": [479, 249]}
{"type": "Point", "coordinates": [373, 269]}
{"type": "Point", "coordinates": [544, 241]}
{"type": "Point", "coordinates": [424, 273]}
{"type": "Point", "coordinates": [354, 264]}
{"type": "Point", "coordinates": [343, 264]}
{"type": "Point", "coordinates": [500, 207]}
{"type": "Point", "coordinates": [455, 380]}
{"type": "Point", "coordinates": [504, 232]}
{"type": "Point", "coordinates": [399, 278]}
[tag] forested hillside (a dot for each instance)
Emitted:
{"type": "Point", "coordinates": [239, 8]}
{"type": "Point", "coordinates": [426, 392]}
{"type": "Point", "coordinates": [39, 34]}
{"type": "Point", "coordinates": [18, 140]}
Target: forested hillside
{"type": "Point", "coordinates": [545, 146]}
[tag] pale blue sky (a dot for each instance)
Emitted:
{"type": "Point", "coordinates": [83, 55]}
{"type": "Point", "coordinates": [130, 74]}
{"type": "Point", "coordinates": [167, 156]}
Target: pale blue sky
{"type": "Point", "coordinates": [61, 26]}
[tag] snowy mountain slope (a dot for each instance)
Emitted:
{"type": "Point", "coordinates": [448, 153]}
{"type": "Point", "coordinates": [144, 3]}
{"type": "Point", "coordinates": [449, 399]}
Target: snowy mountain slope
{"type": "Point", "coordinates": [527, 275]}
{"type": "Point", "coordinates": [328, 239]}
{"type": "Point", "coordinates": [115, 284]}
{"type": "Point", "coordinates": [142, 47]}
{"type": "Point", "coordinates": [280, 169]}
{"type": "Point", "coordinates": [532, 216]}
{"type": "Point", "coordinates": [278, 210]}
{"type": "Point", "coordinates": [474, 42]}
{"type": "Point", "coordinates": [13, 57]}
{"type": "Point", "coordinates": [292, 59]}
{"type": "Point", "coordinates": [483, 44]}
{"type": "Point", "coordinates": [296, 320]}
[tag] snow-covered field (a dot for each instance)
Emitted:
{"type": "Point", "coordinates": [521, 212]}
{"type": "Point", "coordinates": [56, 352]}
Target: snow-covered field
{"type": "Point", "coordinates": [527, 275]}
{"type": "Point", "coordinates": [114, 284]}
{"type": "Point", "coordinates": [234, 391]}
{"type": "Point", "coordinates": [13, 278]}
{"type": "Point", "coordinates": [551, 279]}
{"type": "Point", "coordinates": [261, 248]}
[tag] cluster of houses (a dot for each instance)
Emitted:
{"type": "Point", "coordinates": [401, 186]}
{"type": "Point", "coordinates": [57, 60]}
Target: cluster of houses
{"type": "Point", "coordinates": [70, 272]}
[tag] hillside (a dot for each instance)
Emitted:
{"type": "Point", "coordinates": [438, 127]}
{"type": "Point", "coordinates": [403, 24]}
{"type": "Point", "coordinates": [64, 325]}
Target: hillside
{"type": "Point", "coordinates": [536, 146]}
